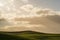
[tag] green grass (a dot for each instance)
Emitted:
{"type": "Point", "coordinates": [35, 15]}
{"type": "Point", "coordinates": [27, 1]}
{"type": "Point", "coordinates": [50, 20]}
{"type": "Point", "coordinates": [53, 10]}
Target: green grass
{"type": "Point", "coordinates": [28, 35]}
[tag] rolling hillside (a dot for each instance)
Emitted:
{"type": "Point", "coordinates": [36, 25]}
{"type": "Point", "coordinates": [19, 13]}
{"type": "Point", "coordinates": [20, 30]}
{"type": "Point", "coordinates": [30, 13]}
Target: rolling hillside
{"type": "Point", "coordinates": [28, 35]}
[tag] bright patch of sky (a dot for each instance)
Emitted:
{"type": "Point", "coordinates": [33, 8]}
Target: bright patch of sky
{"type": "Point", "coordinates": [53, 4]}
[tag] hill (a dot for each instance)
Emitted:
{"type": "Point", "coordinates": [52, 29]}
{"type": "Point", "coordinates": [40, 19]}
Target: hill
{"type": "Point", "coordinates": [28, 35]}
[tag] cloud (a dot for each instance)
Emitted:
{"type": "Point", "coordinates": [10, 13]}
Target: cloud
{"type": "Point", "coordinates": [27, 7]}
{"type": "Point", "coordinates": [4, 22]}
{"type": "Point", "coordinates": [25, 1]}
{"type": "Point", "coordinates": [26, 13]}
{"type": "Point", "coordinates": [37, 11]}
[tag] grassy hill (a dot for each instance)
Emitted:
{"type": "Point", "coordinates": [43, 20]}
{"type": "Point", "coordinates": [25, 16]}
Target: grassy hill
{"type": "Point", "coordinates": [28, 35]}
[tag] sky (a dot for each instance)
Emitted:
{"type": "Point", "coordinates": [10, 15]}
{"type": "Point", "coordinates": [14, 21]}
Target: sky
{"type": "Point", "coordinates": [53, 4]}
{"type": "Point", "coordinates": [36, 15]}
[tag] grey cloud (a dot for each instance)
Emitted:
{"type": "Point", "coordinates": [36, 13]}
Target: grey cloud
{"type": "Point", "coordinates": [4, 22]}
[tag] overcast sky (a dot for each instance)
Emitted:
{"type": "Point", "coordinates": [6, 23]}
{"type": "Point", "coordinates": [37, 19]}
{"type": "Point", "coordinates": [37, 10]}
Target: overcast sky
{"type": "Point", "coordinates": [37, 15]}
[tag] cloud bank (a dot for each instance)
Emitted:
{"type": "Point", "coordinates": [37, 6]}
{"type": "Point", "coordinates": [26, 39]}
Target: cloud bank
{"type": "Point", "coordinates": [25, 15]}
